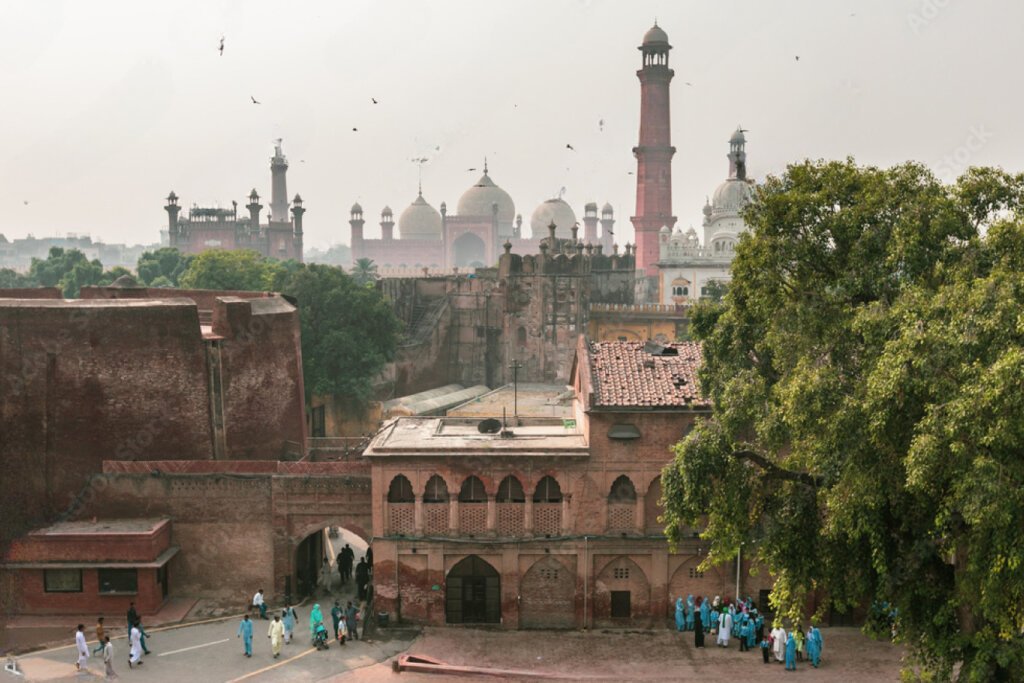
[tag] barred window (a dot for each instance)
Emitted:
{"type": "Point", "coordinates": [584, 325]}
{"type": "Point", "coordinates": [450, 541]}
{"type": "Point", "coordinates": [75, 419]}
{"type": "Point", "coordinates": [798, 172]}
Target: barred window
{"type": "Point", "coordinates": [62, 580]}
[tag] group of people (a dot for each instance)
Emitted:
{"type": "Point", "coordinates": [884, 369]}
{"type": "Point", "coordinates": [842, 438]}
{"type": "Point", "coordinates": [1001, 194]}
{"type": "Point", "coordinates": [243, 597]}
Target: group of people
{"type": "Point", "coordinates": [345, 621]}
{"type": "Point", "coordinates": [136, 643]}
{"type": "Point", "coordinates": [346, 561]}
{"type": "Point", "coordinates": [741, 620]}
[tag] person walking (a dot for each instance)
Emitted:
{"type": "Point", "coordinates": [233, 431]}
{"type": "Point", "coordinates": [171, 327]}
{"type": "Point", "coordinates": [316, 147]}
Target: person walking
{"type": "Point", "coordinates": [362, 578]}
{"type": "Point", "coordinates": [352, 620]}
{"type": "Point", "coordinates": [258, 603]}
{"type": "Point", "coordinates": [790, 652]}
{"type": "Point", "coordinates": [316, 618]}
{"type": "Point", "coordinates": [779, 643]}
{"type": "Point", "coordinates": [82, 647]}
{"type": "Point", "coordinates": [325, 575]}
{"type": "Point", "coordinates": [135, 649]}
{"type": "Point", "coordinates": [369, 558]}
{"type": "Point", "coordinates": [276, 635]}
{"type": "Point", "coordinates": [766, 647]}
{"type": "Point", "coordinates": [336, 617]}
{"type": "Point", "coordinates": [100, 634]}
{"type": "Point", "coordinates": [724, 629]}
{"type": "Point", "coordinates": [288, 619]}
{"type": "Point", "coordinates": [698, 633]}
{"type": "Point", "coordinates": [798, 634]}
{"type": "Point", "coordinates": [690, 609]}
{"type": "Point", "coordinates": [108, 657]}
{"type": "Point", "coordinates": [142, 636]}
{"type": "Point", "coordinates": [132, 616]}
{"type": "Point", "coordinates": [245, 633]}
{"type": "Point", "coordinates": [814, 645]}
{"type": "Point", "coordinates": [340, 560]}
{"type": "Point", "coordinates": [342, 635]}
{"type": "Point", "coordinates": [680, 614]}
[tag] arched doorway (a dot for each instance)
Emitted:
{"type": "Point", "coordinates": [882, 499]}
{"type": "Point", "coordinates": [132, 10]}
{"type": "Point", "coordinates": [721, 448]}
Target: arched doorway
{"type": "Point", "coordinates": [473, 593]}
{"type": "Point", "coordinates": [310, 579]}
{"type": "Point", "coordinates": [548, 595]}
{"type": "Point", "coordinates": [469, 250]}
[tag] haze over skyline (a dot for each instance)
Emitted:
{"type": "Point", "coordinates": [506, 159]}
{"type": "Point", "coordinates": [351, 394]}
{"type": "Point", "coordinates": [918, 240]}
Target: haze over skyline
{"type": "Point", "coordinates": [111, 105]}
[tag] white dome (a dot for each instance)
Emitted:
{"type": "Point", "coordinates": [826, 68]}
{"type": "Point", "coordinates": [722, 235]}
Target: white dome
{"type": "Point", "coordinates": [420, 221]}
{"type": "Point", "coordinates": [478, 200]}
{"type": "Point", "coordinates": [731, 197]}
{"type": "Point", "coordinates": [555, 211]}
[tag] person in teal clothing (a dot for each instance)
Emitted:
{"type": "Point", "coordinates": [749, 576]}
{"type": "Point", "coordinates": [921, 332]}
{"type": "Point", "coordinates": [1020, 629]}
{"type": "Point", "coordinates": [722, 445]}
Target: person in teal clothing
{"type": "Point", "coordinates": [714, 620]}
{"type": "Point", "coordinates": [705, 613]}
{"type": "Point", "coordinates": [790, 652]}
{"type": "Point", "coordinates": [690, 608]}
{"type": "Point", "coordinates": [751, 632]}
{"type": "Point", "coordinates": [680, 614]}
{"type": "Point", "coordinates": [245, 633]}
{"type": "Point", "coordinates": [744, 633]}
{"type": "Point", "coordinates": [814, 645]}
{"type": "Point", "coordinates": [315, 618]}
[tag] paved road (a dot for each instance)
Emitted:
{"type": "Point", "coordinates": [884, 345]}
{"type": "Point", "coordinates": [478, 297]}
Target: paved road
{"type": "Point", "coordinates": [212, 652]}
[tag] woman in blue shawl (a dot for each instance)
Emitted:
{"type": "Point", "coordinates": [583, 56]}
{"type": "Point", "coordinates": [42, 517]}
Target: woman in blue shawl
{"type": "Point", "coordinates": [814, 645]}
{"type": "Point", "coordinates": [680, 614]}
{"type": "Point", "coordinates": [315, 618]}
{"type": "Point", "coordinates": [689, 612]}
{"type": "Point", "coordinates": [705, 613]}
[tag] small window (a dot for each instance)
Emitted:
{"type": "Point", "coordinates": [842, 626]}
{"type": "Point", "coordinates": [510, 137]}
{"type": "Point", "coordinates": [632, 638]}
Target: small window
{"type": "Point", "coordinates": [62, 580]}
{"type": "Point", "coordinates": [620, 573]}
{"type": "Point", "coordinates": [622, 491]}
{"type": "Point", "coordinates": [510, 491]}
{"type": "Point", "coordinates": [623, 432]}
{"type": "Point", "coordinates": [694, 574]}
{"type": "Point", "coordinates": [119, 580]}
{"type": "Point", "coordinates": [400, 490]}
{"type": "Point", "coordinates": [620, 605]}
{"type": "Point", "coordinates": [548, 491]}
{"type": "Point", "coordinates": [436, 491]}
{"type": "Point", "coordinates": [549, 574]}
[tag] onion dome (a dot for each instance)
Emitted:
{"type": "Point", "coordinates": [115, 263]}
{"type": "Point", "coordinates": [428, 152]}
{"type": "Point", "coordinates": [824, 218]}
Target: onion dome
{"type": "Point", "coordinates": [420, 221]}
{"type": "Point", "coordinates": [479, 199]}
{"type": "Point", "coordinates": [555, 211]}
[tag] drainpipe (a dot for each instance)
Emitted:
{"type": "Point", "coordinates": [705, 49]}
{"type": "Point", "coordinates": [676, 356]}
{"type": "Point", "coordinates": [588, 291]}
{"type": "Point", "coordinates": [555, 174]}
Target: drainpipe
{"type": "Point", "coordinates": [586, 578]}
{"type": "Point", "coordinates": [739, 562]}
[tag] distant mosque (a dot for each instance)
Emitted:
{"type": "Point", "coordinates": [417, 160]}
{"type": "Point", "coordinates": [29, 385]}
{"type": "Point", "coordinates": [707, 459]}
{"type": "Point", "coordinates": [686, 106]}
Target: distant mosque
{"type": "Point", "coordinates": [475, 235]}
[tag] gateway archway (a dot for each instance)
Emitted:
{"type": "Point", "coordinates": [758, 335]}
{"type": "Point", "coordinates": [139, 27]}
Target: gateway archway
{"type": "Point", "coordinates": [469, 250]}
{"type": "Point", "coordinates": [473, 593]}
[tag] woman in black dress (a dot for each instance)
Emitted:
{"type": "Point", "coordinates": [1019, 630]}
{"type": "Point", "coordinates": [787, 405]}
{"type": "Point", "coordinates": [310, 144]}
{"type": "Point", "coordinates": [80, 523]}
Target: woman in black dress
{"type": "Point", "coordinates": [698, 632]}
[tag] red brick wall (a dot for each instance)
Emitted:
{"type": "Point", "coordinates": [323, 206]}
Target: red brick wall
{"type": "Point", "coordinates": [122, 547]}
{"type": "Point", "coordinates": [33, 599]}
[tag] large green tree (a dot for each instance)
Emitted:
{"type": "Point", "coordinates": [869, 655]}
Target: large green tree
{"type": "Point", "coordinates": [867, 372]}
{"type": "Point", "coordinates": [349, 332]}
{"type": "Point", "coordinates": [166, 262]}
{"type": "Point", "coordinates": [223, 269]}
{"type": "Point", "coordinates": [68, 269]}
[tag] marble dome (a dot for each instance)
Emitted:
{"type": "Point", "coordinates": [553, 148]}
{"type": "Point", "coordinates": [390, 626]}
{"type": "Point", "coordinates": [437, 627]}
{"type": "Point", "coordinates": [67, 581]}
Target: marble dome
{"type": "Point", "coordinates": [420, 221]}
{"type": "Point", "coordinates": [731, 196]}
{"type": "Point", "coordinates": [478, 200]}
{"type": "Point", "coordinates": [552, 210]}
{"type": "Point", "coordinates": [655, 35]}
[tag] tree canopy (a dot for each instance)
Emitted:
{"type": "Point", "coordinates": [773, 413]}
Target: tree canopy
{"type": "Point", "coordinates": [867, 372]}
{"type": "Point", "coordinates": [223, 269]}
{"type": "Point", "coordinates": [162, 267]}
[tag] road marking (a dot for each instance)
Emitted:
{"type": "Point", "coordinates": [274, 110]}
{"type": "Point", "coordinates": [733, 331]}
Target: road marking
{"type": "Point", "coordinates": [272, 666]}
{"type": "Point", "coordinates": [194, 647]}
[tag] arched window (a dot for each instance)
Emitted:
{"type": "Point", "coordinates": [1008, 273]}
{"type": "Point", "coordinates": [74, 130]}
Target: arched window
{"type": "Point", "coordinates": [521, 337]}
{"type": "Point", "coordinates": [472, 491]}
{"type": "Point", "coordinates": [622, 491]}
{"type": "Point", "coordinates": [548, 491]}
{"type": "Point", "coordinates": [510, 491]}
{"type": "Point", "coordinates": [686, 291]}
{"type": "Point", "coordinates": [436, 491]}
{"type": "Point", "coordinates": [400, 490]}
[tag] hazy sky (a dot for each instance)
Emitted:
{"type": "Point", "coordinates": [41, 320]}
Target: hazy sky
{"type": "Point", "coordinates": [107, 106]}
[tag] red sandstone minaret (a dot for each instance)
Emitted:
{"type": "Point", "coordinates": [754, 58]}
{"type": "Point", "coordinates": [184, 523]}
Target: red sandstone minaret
{"type": "Point", "coordinates": [654, 152]}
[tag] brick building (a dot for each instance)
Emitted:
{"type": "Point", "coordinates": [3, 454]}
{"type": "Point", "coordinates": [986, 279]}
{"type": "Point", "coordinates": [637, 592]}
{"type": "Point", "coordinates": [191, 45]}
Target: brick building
{"type": "Point", "coordinates": [128, 373]}
{"type": "Point", "coordinates": [205, 228]}
{"type": "Point", "coordinates": [547, 522]}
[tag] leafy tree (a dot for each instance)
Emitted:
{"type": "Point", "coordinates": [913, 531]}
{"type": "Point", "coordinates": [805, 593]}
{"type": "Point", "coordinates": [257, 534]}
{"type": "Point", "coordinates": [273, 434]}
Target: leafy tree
{"type": "Point", "coordinates": [109, 276]}
{"type": "Point", "coordinates": [166, 262]}
{"type": "Point", "coordinates": [866, 368]}
{"type": "Point", "coordinates": [69, 269]}
{"type": "Point", "coordinates": [364, 270]}
{"type": "Point", "coordinates": [12, 279]}
{"type": "Point", "coordinates": [161, 281]}
{"type": "Point", "coordinates": [223, 269]}
{"type": "Point", "coordinates": [348, 332]}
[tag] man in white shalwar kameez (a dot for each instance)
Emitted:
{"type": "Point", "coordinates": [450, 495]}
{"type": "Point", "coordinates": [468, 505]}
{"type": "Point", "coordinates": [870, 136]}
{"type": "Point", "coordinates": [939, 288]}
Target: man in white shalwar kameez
{"type": "Point", "coordinates": [779, 644]}
{"type": "Point", "coordinates": [135, 653]}
{"type": "Point", "coordinates": [724, 630]}
{"type": "Point", "coordinates": [83, 648]}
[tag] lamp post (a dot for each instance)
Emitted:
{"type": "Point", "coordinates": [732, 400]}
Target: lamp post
{"type": "Point", "coordinates": [514, 367]}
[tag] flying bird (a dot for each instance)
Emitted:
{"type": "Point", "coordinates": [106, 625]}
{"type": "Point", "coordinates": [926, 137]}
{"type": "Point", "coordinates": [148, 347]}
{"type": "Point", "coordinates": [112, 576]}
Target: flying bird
{"type": "Point", "coordinates": [600, 124]}
{"type": "Point", "coordinates": [26, 202]}
{"type": "Point", "coordinates": [568, 146]}
{"type": "Point", "coordinates": [687, 83]}
{"type": "Point", "coordinates": [254, 100]}
{"type": "Point", "coordinates": [798, 58]}
{"type": "Point", "coordinates": [355, 130]}
{"type": "Point", "coordinates": [470, 169]}
{"type": "Point", "coordinates": [221, 49]}
{"type": "Point", "coordinates": [374, 100]}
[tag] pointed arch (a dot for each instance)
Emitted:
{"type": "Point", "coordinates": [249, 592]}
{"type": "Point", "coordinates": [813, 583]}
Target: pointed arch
{"type": "Point", "coordinates": [400, 490]}
{"type": "Point", "coordinates": [510, 490]}
{"type": "Point", "coordinates": [472, 491]}
{"type": "Point", "coordinates": [473, 592]}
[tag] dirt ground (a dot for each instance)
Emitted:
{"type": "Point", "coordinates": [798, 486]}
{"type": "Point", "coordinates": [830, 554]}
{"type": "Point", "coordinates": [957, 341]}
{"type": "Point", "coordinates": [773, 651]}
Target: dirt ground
{"type": "Point", "coordinates": [848, 656]}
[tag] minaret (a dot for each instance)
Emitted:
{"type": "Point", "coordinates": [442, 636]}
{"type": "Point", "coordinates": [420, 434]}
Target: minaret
{"type": "Point", "coordinates": [172, 210]}
{"type": "Point", "coordinates": [607, 223]}
{"type": "Point", "coordinates": [654, 152]}
{"type": "Point", "coordinates": [387, 224]}
{"type": "Point", "coordinates": [278, 185]}
{"type": "Point", "coordinates": [356, 222]}
{"type": "Point", "coordinates": [254, 207]}
{"type": "Point", "coordinates": [297, 211]}
{"type": "Point", "coordinates": [590, 223]}
{"type": "Point", "coordinates": [738, 155]}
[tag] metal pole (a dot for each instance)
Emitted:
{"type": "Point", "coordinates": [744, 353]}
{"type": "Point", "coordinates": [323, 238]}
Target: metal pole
{"type": "Point", "coordinates": [514, 367]}
{"type": "Point", "coordinates": [739, 563]}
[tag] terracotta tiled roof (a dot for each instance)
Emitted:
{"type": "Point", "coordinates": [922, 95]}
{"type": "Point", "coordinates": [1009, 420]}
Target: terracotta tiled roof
{"type": "Point", "coordinates": [646, 374]}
